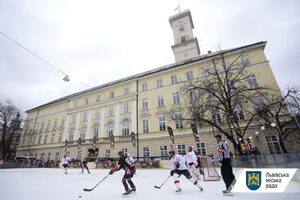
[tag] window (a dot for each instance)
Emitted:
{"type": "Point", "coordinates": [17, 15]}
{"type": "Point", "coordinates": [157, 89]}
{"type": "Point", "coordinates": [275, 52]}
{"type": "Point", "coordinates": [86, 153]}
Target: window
{"type": "Point", "coordinates": [215, 115]}
{"type": "Point", "coordinates": [48, 125]}
{"type": "Point", "coordinates": [181, 149]}
{"type": "Point", "coordinates": [146, 152]}
{"type": "Point", "coordinates": [57, 158]}
{"type": "Point", "coordinates": [159, 83]}
{"type": "Point", "coordinates": [176, 98]}
{"type": "Point", "coordinates": [74, 103]}
{"type": "Point", "coordinates": [82, 132]}
{"type": "Point", "coordinates": [126, 91]}
{"type": "Point", "coordinates": [273, 144]}
{"type": "Point", "coordinates": [96, 130]}
{"type": "Point", "coordinates": [107, 153]}
{"type": "Point", "coordinates": [110, 129]}
{"type": "Point", "coordinates": [183, 39]}
{"type": "Point", "coordinates": [174, 79]}
{"type": "Point", "coordinates": [178, 120]}
{"type": "Point", "coordinates": [238, 112]}
{"type": "Point", "coordinates": [55, 123]}
{"type": "Point", "coordinates": [111, 95]}
{"type": "Point", "coordinates": [52, 138]}
{"type": "Point", "coordinates": [192, 95]}
{"type": "Point", "coordinates": [189, 75]}
{"type": "Point", "coordinates": [145, 104]}
{"type": "Point", "coordinates": [125, 129]}
{"type": "Point", "coordinates": [62, 123]}
{"type": "Point", "coordinates": [45, 139]}
{"type": "Point", "coordinates": [162, 123]}
{"type": "Point", "coordinates": [125, 108]}
{"type": "Point", "coordinates": [73, 119]}
{"type": "Point", "coordinates": [84, 117]}
{"type": "Point", "coordinates": [97, 114]}
{"type": "Point", "coordinates": [205, 72]}
{"type": "Point", "coordinates": [49, 156]}
{"type": "Point", "coordinates": [252, 82]}
{"type": "Point", "coordinates": [33, 141]}
{"type": "Point", "coordinates": [39, 140]}
{"type": "Point", "coordinates": [164, 152]}
{"type": "Point", "coordinates": [201, 148]}
{"type": "Point", "coordinates": [260, 106]}
{"type": "Point", "coordinates": [160, 101]}
{"type": "Point", "coordinates": [245, 61]}
{"type": "Point", "coordinates": [145, 126]}
{"type": "Point", "coordinates": [110, 111]}
{"type": "Point", "coordinates": [59, 137]}
{"type": "Point", "coordinates": [144, 87]}
{"type": "Point", "coordinates": [86, 101]}
{"type": "Point", "coordinates": [71, 133]}
{"type": "Point", "coordinates": [98, 98]}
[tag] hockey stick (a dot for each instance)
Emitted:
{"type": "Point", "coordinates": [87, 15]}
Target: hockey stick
{"type": "Point", "coordinates": [88, 190]}
{"type": "Point", "coordinates": [158, 187]}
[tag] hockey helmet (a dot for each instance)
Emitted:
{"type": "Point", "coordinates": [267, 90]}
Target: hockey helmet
{"type": "Point", "coordinates": [190, 148]}
{"type": "Point", "coordinates": [121, 153]}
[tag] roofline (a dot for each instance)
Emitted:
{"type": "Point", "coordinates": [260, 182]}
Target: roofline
{"type": "Point", "coordinates": [153, 71]}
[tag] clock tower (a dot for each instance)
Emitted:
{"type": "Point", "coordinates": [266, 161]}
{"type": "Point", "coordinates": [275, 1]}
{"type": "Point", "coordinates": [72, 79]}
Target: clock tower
{"type": "Point", "coordinates": [186, 45]}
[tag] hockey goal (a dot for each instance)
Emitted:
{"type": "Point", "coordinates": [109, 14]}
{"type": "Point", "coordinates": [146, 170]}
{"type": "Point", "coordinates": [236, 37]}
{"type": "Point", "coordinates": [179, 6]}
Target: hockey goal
{"type": "Point", "coordinates": [209, 170]}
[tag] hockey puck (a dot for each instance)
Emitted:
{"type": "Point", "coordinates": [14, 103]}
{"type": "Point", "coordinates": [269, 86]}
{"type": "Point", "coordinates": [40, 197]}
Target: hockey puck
{"type": "Point", "coordinates": [79, 196]}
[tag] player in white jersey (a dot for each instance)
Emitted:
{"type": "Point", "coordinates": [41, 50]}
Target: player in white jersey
{"type": "Point", "coordinates": [65, 163]}
{"type": "Point", "coordinates": [191, 160]}
{"type": "Point", "coordinates": [178, 168]}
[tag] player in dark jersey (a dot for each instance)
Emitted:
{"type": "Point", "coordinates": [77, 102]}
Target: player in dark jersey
{"type": "Point", "coordinates": [127, 163]}
{"type": "Point", "coordinates": [84, 165]}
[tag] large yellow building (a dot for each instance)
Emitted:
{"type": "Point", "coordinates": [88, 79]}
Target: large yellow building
{"type": "Point", "coordinates": [135, 104]}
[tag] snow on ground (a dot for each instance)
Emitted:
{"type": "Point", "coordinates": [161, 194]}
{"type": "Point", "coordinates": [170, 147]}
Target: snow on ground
{"type": "Point", "coordinates": [53, 184]}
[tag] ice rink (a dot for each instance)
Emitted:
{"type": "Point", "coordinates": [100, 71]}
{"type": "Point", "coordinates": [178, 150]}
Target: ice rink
{"type": "Point", "coordinates": [53, 184]}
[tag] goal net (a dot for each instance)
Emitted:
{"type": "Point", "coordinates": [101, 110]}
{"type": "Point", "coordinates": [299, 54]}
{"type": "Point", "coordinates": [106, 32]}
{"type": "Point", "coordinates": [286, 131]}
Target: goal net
{"type": "Point", "coordinates": [209, 170]}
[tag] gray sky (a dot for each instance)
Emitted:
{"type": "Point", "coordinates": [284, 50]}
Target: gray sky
{"type": "Point", "coordinates": [100, 41]}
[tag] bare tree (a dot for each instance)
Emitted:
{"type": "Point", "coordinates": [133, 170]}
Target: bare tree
{"type": "Point", "coordinates": [226, 97]}
{"type": "Point", "coordinates": [10, 121]}
{"type": "Point", "coordinates": [282, 114]}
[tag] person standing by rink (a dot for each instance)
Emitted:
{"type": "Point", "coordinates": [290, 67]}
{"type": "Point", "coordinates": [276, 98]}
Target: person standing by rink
{"type": "Point", "coordinates": [65, 163]}
{"type": "Point", "coordinates": [191, 160]}
{"type": "Point", "coordinates": [84, 165]}
{"type": "Point", "coordinates": [225, 160]}
{"type": "Point", "coordinates": [179, 168]}
{"type": "Point", "coordinates": [127, 163]}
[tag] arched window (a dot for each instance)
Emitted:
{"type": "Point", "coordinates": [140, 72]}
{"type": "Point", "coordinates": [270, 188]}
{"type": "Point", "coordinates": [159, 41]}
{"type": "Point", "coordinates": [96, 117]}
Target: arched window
{"type": "Point", "coordinates": [82, 132]}
{"type": "Point", "coordinates": [96, 130]}
{"type": "Point", "coordinates": [110, 128]}
{"type": "Point", "coordinates": [125, 127]}
{"type": "Point", "coordinates": [71, 133]}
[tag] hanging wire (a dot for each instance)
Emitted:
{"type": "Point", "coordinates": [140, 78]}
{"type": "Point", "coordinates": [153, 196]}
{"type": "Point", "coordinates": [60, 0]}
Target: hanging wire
{"type": "Point", "coordinates": [66, 76]}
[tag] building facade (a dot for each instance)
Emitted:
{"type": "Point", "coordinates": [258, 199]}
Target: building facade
{"type": "Point", "coordinates": [101, 121]}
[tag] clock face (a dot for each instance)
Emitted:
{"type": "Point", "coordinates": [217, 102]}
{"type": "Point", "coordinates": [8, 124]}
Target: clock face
{"type": "Point", "coordinates": [181, 29]}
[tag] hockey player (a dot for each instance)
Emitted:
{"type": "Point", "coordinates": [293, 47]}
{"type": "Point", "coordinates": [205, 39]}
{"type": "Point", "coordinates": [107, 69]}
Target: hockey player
{"type": "Point", "coordinates": [179, 168]}
{"type": "Point", "coordinates": [191, 160]}
{"type": "Point", "coordinates": [84, 165]}
{"type": "Point", "coordinates": [225, 160]}
{"type": "Point", "coordinates": [65, 163]}
{"type": "Point", "coordinates": [127, 163]}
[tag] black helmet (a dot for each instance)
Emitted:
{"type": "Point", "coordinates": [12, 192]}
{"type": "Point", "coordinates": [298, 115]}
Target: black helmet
{"type": "Point", "coordinates": [120, 153]}
{"type": "Point", "coordinates": [190, 148]}
{"type": "Point", "coordinates": [172, 152]}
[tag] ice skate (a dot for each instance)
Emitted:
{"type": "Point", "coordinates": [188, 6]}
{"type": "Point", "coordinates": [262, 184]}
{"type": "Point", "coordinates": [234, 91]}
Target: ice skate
{"type": "Point", "coordinates": [127, 192]}
{"type": "Point", "coordinates": [132, 190]}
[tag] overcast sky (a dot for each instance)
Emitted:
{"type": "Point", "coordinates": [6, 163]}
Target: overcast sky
{"type": "Point", "coordinates": [96, 42]}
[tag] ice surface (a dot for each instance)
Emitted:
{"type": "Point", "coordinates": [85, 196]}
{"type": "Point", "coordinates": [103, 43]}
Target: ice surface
{"type": "Point", "coordinates": [53, 184]}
